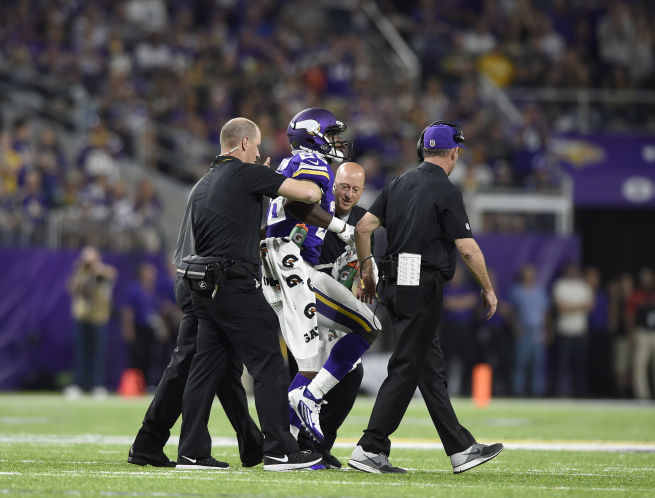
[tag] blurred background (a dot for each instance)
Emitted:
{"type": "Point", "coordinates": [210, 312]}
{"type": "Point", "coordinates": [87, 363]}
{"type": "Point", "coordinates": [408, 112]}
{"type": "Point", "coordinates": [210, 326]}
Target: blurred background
{"type": "Point", "coordinates": [110, 111]}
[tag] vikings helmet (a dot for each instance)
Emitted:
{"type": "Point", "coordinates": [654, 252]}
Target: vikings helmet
{"type": "Point", "coordinates": [316, 129]}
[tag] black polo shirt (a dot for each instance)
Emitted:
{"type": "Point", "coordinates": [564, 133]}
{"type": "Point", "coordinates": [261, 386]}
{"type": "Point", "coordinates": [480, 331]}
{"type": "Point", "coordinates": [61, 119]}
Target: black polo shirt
{"type": "Point", "coordinates": [423, 213]}
{"type": "Point", "coordinates": [333, 246]}
{"type": "Point", "coordinates": [224, 209]}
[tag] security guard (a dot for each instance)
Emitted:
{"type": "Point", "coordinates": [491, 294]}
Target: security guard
{"type": "Point", "coordinates": [425, 219]}
{"type": "Point", "coordinates": [224, 215]}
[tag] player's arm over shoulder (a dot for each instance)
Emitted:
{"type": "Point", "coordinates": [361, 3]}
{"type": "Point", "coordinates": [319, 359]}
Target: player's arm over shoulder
{"type": "Point", "coordinates": [300, 190]}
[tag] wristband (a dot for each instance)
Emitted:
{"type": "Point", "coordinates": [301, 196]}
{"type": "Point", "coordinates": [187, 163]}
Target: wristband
{"type": "Point", "coordinates": [337, 225]}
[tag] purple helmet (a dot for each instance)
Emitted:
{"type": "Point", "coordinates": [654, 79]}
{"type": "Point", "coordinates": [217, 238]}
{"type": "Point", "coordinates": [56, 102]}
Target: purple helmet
{"type": "Point", "coordinates": [316, 129]}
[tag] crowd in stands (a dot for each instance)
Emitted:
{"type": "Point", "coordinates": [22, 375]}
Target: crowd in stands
{"type": "Point", "coordinates": [37, 178]}
{"type": "Point", "coordinates": [193, 64]}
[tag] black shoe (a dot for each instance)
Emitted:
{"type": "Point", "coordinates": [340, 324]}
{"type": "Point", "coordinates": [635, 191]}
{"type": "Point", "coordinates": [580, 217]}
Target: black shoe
{"type": "Point", "coordinates": [155, 459]}
{"type": "Point", "coordinates": [205, 463]}
{"type": "Point", "coordinates": [330, 461]}
{"type": "Point", "coordinates": [297, 460]}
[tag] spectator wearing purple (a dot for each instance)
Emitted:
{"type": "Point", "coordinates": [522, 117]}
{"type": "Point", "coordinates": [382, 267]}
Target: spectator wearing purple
{"type": "Point", "coordinates": [530, 304]}
{"type": "Point", "coordinates": [142, 323]}
{"type": "Point", "coordinates": [457, 337]}
{"type": "Point", "coordinates": [599, 346]}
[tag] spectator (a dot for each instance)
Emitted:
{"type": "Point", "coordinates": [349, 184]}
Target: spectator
{"type": "Point", "coordinates": [573, 300]}
{"type": "Point", "coordinates": [494, 343]}
{"type": "Point", "coordinates": [620, 291]}
{"type": "Point", "coordinates": [641, 323]}
{"type": "Point", "coordinates": [599, 349]}
{"type": "Point", "coordinates": [142, 323]}
{"type": "Point", "coordinates": [457, 336]}
{"type": "Point", "coordinates": [90, 286]}
{"type": "Point", "coordinates": [530, 304]}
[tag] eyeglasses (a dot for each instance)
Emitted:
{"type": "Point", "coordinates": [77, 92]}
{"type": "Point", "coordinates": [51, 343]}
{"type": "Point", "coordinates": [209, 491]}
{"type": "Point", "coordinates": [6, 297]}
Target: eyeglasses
{"type": "Point", "coordinates": [344, 187]}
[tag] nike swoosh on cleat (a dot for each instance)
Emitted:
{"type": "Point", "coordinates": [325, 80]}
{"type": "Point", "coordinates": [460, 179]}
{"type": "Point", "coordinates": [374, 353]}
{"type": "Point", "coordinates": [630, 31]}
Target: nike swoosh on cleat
{"type": "Point", "coordinates": [190, 459]}
{"type": "Point", "coordinates": [283, 460]}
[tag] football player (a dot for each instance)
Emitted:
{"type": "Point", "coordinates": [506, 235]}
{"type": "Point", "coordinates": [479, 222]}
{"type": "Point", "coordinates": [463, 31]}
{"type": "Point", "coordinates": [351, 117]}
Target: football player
{"type": "Point", "coordinates": [316, 143]}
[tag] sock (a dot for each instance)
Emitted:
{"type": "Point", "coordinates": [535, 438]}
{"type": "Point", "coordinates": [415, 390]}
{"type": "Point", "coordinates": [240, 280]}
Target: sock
{"type": "Point", "coordinates": [298, 381]}
{"type": "Point", "coordinates": [295, 423]}
{"type": "Point", "coordinates": [343, 356]}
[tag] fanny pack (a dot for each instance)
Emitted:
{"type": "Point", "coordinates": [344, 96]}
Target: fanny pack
{"type": "Point", "coordinates": [207, 275]}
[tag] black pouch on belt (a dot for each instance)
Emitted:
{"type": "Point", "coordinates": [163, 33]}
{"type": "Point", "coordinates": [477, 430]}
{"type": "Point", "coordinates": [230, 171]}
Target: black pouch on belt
{"type": "Point", "coordinates": [206, 276]}
{"type": "Point", "coordinates": [388, 269]}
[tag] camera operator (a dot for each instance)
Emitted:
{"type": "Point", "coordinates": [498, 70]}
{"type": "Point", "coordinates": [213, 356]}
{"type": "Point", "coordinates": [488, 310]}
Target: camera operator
{"type": "Point", "coordinates": [90, 286]}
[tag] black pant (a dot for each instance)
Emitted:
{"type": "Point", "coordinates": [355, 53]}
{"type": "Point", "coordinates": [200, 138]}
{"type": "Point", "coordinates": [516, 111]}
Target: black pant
{"type": "Point", "coordinates": [417, 360]}
{"type": "Point", "coordinates": [166, 406]}
{"type": "Point", "coordinates": [237, 322]}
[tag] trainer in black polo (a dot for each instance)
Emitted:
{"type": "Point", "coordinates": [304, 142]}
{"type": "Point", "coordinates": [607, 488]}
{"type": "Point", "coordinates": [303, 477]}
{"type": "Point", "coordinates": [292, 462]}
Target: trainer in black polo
{"type": "Point", "coordinates": [292, 461]}
{"type": "Point", "coordinates": [205, 463]}
{"type": "Point", "coordinates": [473, 456]}
{"type": "Point", "coordinates": [155, 459]}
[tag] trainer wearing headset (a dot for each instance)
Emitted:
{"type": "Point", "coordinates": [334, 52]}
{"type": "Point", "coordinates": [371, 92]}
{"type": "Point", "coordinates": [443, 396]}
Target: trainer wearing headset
{"type": "Point", "coordinates": [425, 219]}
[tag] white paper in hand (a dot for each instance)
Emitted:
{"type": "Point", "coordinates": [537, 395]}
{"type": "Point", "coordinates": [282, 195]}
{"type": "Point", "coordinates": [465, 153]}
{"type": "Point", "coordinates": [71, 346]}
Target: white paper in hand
{"type": "Point", "coordinates": [409, 269]}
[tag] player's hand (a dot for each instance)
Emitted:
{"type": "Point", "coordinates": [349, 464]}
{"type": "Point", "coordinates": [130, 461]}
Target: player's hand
{"type": "Point", "coordinates": [347, 234]}
{"type": "Point", "coordinates": [489, 301]}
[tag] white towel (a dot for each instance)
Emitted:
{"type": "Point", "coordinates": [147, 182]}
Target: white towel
{"type": "Point", "coordinates": [287, 290]}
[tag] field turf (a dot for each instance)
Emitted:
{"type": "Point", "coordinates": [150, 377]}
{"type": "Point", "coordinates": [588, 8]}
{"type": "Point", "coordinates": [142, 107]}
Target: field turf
{"type": "Point", "coordinates": [54, 446]}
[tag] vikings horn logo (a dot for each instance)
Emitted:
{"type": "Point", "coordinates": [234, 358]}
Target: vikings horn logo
{"type": "Point", "coordinates": [289, 260]}
{"type": "Point", "coordinates": [312, 126]}
{"type": "Point", "coordinates": [310, 310]}
{"type": "Point", "coordinates": [293, 280]}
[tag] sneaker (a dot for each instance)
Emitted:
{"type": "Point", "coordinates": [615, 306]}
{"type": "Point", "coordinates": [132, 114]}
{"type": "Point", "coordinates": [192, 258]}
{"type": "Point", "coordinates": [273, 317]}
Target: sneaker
{"type": "Point", "coordinates": [73, 391]}
{"type": "Point", "coordinates": [297, 460]}
{"type": "Point", "coordinates": [330, 461]}
{"type": "Point", "coordinates": [206, 463]}
{"type": "Point", "coordinates": [375, 463]}
{"type": "Point", "coordinates": [158, 459]}
{"type": "Point", "coordinates": [308, 408]}
{"type": "Point", "coordinates": [473, 456]}
{"type": "Point", "coordinates": [100, 392]}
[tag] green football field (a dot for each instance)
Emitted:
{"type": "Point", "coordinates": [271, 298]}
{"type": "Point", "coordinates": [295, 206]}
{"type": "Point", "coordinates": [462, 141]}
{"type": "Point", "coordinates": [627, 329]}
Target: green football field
{"type": "Point", "coordinates": [53, 446]}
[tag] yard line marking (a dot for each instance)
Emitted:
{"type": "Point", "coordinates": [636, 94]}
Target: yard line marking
{"type": "Point", "coordinates": [398, 443]}
{"type": "Point", "coordinates": [201, 475]}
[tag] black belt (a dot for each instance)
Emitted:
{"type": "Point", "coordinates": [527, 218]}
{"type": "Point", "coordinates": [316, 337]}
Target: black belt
{"type": "Point", "coordinates": [208, 274]}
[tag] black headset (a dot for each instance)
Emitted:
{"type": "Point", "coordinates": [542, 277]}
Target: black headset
{"type": "Point", "coordinates": [458, 136]}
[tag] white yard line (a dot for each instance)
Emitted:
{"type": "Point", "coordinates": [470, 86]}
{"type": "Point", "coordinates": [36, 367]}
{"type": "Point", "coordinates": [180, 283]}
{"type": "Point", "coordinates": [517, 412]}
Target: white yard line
{"type": "Point", "coordinates": [402, 443]}
{"type": "Point", "coordinates": [232, 477]}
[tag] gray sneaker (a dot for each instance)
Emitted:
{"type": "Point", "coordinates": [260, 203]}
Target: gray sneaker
{"type": "Point", "coordinates": [473, 456]}
{"type": "Point", "coordinates": [372, 462]}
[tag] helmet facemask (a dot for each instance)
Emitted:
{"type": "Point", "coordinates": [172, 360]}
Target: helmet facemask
{"type": "Point", "coordinates": [340, 150]}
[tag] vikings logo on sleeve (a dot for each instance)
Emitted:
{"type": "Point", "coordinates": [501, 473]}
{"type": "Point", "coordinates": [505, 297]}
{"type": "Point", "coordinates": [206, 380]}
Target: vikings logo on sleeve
{"type": "Point", "coordinates": [303, 166]}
